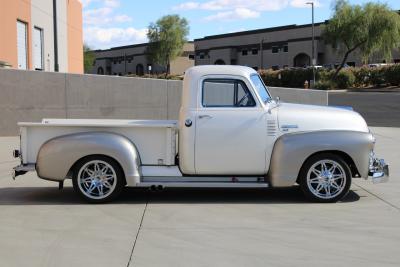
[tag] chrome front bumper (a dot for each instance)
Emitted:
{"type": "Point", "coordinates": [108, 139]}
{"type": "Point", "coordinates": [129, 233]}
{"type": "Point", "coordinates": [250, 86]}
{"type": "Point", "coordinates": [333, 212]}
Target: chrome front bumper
{"type": "Point", "coordinates": [378, 170]}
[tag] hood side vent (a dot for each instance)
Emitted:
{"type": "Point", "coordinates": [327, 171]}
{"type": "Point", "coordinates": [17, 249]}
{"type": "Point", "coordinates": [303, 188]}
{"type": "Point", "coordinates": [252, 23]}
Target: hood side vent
{"type": "Point", "coordinates": [271, 127]}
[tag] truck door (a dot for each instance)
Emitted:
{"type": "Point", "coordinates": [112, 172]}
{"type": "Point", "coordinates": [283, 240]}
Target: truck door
{"type": "Point", "coordinates": [230, 130]}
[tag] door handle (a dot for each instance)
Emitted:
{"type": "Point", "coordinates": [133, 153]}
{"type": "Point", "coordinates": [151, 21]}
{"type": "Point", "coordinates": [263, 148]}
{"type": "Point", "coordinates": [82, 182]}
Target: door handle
{"type": "Point", "coordinates": [204, 117]}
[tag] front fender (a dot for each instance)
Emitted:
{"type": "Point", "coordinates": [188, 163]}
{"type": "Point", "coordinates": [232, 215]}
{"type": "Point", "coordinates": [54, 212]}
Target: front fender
{"type": "Point", "coordinates": [291, 150]}
{"type": "Point", "coordinates": [58, 155]}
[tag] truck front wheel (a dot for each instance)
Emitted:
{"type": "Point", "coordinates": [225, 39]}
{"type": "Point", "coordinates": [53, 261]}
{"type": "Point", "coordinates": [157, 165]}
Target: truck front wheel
{"type": "Point", "coordinates": [325, 178]}
{"type": "Point", "coordinates": [98, 179]}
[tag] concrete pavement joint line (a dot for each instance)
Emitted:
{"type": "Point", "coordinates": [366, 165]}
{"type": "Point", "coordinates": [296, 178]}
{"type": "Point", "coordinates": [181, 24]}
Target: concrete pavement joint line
{"type": "Point", "coordinates": [137, 234]}
{"type": "Point", "coordinates": [378, 197]}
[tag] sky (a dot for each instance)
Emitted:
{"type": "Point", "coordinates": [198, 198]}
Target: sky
{"type": "Point", "coordinates": [111, 23]}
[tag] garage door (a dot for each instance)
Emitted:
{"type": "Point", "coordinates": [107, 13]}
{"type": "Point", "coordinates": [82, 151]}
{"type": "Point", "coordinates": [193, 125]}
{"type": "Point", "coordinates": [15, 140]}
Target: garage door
{"type": "Point", "coordinates": [38, 48]}
{"type": "Point", "coordinates": [22, 45]}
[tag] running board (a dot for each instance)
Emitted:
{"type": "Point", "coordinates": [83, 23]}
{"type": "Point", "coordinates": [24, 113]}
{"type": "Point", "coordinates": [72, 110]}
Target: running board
{"type": "Point", "coordinates": [204, 184]}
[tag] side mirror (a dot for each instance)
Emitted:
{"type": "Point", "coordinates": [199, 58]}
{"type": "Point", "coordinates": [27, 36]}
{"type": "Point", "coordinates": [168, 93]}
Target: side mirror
{"type": "Point", "coordinates": [277, 104]}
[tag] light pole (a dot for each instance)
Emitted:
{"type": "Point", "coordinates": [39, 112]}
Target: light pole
{"type": "Point", "coordinates": [313, 38]}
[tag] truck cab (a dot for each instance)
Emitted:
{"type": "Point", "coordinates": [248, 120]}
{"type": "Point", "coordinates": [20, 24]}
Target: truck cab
{"type": "Point", "coordinates": [231, 110]}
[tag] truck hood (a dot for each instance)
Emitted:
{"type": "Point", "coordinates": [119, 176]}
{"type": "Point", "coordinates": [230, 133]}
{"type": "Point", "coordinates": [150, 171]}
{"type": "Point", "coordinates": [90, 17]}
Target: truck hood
{"type": "Point", "coordinates": [298, 117]}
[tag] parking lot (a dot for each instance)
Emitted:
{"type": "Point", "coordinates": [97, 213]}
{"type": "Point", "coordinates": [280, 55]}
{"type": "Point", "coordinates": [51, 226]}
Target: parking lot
{"type": "Point", "coordinates": [41, 226]}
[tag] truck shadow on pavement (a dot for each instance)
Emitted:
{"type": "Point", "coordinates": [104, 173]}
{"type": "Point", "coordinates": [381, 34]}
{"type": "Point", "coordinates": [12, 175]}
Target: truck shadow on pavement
{"type": "Point", "coordinates": [52, 196]}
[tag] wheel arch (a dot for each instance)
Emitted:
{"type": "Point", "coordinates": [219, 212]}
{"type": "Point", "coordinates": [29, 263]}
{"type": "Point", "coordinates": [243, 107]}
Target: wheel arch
{"type": "Point", "coordinates": [292, 150]}
{"type": "Point", "coordinates": [59, 155]}
{"type": "Point", "coordinates": [343, 155]}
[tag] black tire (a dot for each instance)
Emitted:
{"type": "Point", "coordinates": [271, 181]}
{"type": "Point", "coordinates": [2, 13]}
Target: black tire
{"type": "Point", "coordinates": [326, 181]}
{"type": "Point", "coordinates": [102, 181]}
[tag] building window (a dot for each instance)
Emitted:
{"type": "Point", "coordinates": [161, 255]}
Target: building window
{"type": "Point", "coordinates": [233, 61]}
{"type": "Point", "coordinates": [100, 71]}
{"type": "Point", "coordinates": [38, 48]}
{"type": "Point", "coordinates": [191, 57]}
{"type": "Point", "coordinates": [22, 45]}
{"type": "Point", "coordinates": [254, 51]}
{"type": "Point", "coordinates": [201, 55]}
{"type": "Point", "coordinates": [129, 60]}
{"type": "Point", "coordinates": [351, 64]}
{"type": "Point", "coordinates": [244, 52]}
{"type": "Point", "coordinates": [119, 61]}
{"type": "Point", "coordinates": [115, 62]}
{"type": "Point", "coordinates": [285, 48]}
{"type": "Point", "coordinates": [275, 49]}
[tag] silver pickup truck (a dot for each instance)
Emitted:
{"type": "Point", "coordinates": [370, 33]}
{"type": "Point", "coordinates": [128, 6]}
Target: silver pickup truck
{"type": "Point", "coordinates": [230, 133]}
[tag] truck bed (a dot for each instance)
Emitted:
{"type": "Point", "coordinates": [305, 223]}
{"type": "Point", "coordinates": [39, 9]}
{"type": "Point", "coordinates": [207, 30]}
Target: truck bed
{"type": "Point", "coordinates": [154, 139]}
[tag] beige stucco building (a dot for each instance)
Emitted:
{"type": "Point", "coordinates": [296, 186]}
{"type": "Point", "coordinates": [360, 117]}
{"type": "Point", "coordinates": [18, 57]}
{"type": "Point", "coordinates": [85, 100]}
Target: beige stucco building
{"type": "Point", "coordinates": [277, 48]}
{"type": "Point", "coordinates": [43, 35]}
{"type": "Point", "coordinates": [133, 59]}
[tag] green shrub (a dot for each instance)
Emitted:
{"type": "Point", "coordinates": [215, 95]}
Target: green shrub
{"type": "Point", "coordinates": [392, 75]}
{"type": "Point", "coordinates": [344, 79]}
{"type": "Point", "coordinates": [323, 85]}
{"type": "Point", "coordinates": [377, 76]}
{"type": "Point", "coordinates": [271, 77]}
{"type": "Point", "coordinates": [362, 76]}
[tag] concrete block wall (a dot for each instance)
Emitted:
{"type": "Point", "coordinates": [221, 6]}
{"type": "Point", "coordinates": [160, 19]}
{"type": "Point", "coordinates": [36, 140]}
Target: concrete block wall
{"type": "Point", "coordinates": [31, 96]}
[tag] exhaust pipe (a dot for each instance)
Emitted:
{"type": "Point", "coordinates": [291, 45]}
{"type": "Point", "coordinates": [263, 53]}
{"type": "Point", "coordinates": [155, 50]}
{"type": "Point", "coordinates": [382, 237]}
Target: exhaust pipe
{"type": "Point", "coordinates": [153, 188]}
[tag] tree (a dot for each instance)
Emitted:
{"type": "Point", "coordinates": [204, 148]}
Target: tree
{"type": "Point", "coordinates": [167, 37]}
{"type": "Point", "coordinates": [368, 28]}
{"type": "Point", "coordinates": [88, 58]}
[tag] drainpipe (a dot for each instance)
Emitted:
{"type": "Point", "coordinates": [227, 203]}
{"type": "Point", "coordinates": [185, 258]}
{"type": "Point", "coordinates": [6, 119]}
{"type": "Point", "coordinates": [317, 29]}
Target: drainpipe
{"type": "Point", "coordinates": [262, 53]}
{"type": "Point", "coordinates": [56, 67]}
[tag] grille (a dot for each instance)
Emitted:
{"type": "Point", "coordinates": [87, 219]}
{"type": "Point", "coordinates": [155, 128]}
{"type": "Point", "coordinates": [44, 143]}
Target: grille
{"type": "Point", "coordinates": [271, 127]}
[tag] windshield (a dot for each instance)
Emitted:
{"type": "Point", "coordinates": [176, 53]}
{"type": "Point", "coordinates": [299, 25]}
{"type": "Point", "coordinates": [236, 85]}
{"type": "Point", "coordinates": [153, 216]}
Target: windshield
{"type": "Point", "coordinates": [260, 87]}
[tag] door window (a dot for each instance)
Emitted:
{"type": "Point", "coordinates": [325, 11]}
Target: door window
{"type": "Point", "coordinates": [226, 93]}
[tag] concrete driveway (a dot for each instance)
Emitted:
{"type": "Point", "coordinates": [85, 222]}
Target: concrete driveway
{"type": "Point", "coordinates": [41, 226]}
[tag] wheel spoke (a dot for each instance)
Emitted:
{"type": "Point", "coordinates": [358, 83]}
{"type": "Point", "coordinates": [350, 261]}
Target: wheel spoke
{"type": "Point", "coordinates": [320, 186]}
{"type": "Point", "coordinates": [328, 190]}
{"type": "Point", "coordinates": [91, 188]}
{"type": "Point", "coordinates": [100, 189]}
{"type": "Point", "coordinates": [107, 184]}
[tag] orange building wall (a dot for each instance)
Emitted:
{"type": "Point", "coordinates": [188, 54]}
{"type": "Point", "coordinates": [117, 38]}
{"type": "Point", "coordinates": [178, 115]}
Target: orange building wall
{"type": "Point", "coordinates": [75, 36]}
{"type": "Point", "coordinates": [10, 12]}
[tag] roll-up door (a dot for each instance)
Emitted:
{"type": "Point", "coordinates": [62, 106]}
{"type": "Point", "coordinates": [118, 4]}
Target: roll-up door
{"type": "Point", "coordinates": [22, 37]}
{"type": "Point", "coordinates": [38, 48]}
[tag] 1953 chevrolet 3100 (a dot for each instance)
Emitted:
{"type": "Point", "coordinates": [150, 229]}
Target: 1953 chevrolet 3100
{"type": "Point", "coordinates": [230, 133]}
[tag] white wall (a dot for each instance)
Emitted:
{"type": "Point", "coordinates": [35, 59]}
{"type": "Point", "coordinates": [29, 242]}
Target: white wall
{"type": "Point", "coordinates": [42, 17]}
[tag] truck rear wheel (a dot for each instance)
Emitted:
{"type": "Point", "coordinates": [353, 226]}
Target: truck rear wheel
{"type": "Point", "coordinates": [98, 179]}
{"type": "Point", "coordinates": [325, 178]}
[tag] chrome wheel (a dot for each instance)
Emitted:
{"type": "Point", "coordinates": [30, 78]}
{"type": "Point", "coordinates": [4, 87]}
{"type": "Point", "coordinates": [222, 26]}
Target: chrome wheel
{"type": "Point", "coordinates": [97, 179]}
{"type": "Point", "coordinates": [326, 179]}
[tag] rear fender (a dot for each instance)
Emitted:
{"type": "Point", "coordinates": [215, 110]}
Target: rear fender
{"type": "Point", "coordinates": [57, 156]}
